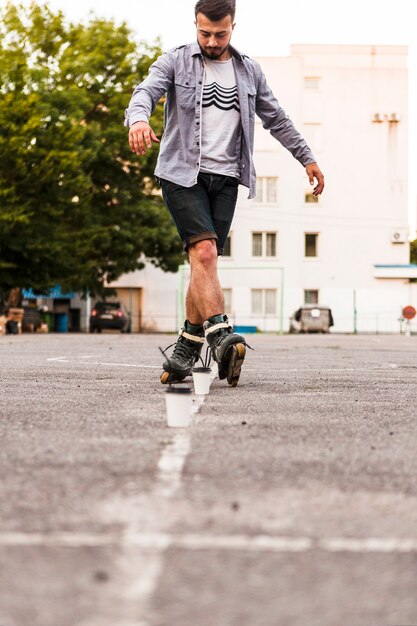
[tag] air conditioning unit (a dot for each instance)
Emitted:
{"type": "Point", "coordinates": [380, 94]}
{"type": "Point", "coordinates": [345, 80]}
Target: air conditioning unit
{"type": "Point", "coordinates": [399, 236]}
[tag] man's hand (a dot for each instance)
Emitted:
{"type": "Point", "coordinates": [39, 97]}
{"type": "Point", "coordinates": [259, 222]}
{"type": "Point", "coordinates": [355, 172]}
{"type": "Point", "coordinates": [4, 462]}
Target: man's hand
{"type": "Point", "coordinates": [314, 172]}
{"type": "Point", "coordinates": [141, 137]}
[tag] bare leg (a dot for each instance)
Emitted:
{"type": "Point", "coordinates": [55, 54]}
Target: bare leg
{"type": "Point", "coordinates": [204, 296]}
{"type": "Point", "coordinates": [193, 314]}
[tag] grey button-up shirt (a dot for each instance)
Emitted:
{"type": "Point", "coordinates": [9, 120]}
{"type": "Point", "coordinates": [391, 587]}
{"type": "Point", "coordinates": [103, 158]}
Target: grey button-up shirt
{"type": "Point", "coordinates": [179, 74]}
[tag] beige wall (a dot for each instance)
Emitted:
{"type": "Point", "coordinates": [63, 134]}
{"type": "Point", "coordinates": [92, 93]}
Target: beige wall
{"type": "Point", "coordinates": [131, 298]}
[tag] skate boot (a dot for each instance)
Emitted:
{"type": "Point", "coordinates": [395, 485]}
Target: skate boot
{"type": "Point", "coordinates": [185, 354]}
{"type": "Point", "coordinates": [227, 347]}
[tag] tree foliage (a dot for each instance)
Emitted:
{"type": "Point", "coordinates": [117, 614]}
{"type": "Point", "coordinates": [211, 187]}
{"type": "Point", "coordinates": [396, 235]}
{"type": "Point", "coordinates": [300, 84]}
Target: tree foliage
{"type": "Point", "coordinates": [76, 206]}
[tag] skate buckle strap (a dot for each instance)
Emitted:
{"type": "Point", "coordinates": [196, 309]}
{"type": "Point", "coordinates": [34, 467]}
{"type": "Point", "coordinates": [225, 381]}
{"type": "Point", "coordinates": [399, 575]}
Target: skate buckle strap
{"type": "Point", "coordinates": [192, 337]}
{"type": "Point", "coordinates": [216, 327]}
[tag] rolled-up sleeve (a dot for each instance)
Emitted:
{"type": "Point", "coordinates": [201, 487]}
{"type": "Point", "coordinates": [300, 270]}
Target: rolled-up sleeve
{"type": "Point", "coordinates": [146, 95]}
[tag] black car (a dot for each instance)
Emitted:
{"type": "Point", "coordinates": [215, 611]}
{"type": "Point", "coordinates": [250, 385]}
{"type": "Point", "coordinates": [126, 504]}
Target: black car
{"type": "Point", "coordinates": [109, 315]}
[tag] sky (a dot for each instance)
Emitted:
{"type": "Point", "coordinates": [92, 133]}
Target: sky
{"type": "Point", "coordinates": [268, 27]}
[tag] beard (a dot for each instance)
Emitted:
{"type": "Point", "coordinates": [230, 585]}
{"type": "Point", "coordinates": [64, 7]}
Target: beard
{"type": "Point", "coordinates": [214, 53]}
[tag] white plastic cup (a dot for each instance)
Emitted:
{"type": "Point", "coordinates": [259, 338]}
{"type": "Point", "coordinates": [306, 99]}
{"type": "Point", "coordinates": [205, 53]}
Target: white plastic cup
{"type": "Point", "coordinates": [178, 403]}
{"type": "Point", "coordinates": [202, 381]}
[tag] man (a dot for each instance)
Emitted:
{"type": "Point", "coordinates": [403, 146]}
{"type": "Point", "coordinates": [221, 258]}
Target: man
{"type": "Point", "coordinates": [212, 95]}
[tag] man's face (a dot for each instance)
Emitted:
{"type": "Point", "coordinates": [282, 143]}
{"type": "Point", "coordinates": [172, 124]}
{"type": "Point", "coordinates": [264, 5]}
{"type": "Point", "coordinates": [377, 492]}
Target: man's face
{"type": "Point", "coordinates": [214, 37]}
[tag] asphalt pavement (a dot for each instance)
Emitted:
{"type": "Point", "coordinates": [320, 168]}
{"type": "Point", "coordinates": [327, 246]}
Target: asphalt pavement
{"type": "Point", "coordinates": [291, 500]}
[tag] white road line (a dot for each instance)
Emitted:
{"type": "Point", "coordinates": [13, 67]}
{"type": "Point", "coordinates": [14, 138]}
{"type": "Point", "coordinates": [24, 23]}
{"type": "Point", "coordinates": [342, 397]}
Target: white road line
{"type": "Point", "coordinates": [370, 545]}
{"type": "Point", "coordinates": [110, 622]}
{"type": "Point", "coordinates": [242, 542]}
{"type": "Point", "coordinates": [64, 359]}
{"type": "Point", "coordinates": [319, 370]}
{"type": "Point", "coordinates": [152, 367]}
{"type": "Point", "coordinates": [322, 370]}
{"type": "Point", "coordinates": [171, 464]}
{"type": "Point", "coordinates": [71, 540]}
{"type": "Point", "coordinates": [159, 542]}
{"type": "Point", "coordinates": [142, 577]}
{"type": "Point", "coordinates": [198, 401]}
{"type": "Point", "coordinates": [168, 483]}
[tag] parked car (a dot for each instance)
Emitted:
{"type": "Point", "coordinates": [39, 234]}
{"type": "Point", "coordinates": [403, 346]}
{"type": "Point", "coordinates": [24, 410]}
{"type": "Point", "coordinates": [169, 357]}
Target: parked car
{"type": "Point", "coordinates": [109, 315]}
{"type": "Point", "coordinates": [311, 318]}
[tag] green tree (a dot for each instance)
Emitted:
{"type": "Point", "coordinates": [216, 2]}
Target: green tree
{"type": "Point", "coordinates": [76, 206]}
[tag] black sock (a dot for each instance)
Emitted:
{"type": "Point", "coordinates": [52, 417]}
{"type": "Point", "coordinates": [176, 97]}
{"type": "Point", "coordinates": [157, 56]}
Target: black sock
{"type": "Point", "coordinates": [217, 319]}
{"type": "Point", "coordinates": [193, 329]}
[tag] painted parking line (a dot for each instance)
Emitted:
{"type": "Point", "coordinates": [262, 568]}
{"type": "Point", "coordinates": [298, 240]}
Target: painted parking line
{"type": "Point", "coordinates": [138, 365]}
{"type": "Point", "coordinates": [82, 360]}
{"type": "Point", "coordinates": [319, 370]}
{"type": "Point", "coordinates": [143, 581]}
{"type": "Point", "coordinates": [196, 541]}
{"type": "Point", "coordinates": [171, 463]}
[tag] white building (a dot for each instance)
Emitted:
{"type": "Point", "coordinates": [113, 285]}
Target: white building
{"type": "Point", "coordinates": [349, 250]}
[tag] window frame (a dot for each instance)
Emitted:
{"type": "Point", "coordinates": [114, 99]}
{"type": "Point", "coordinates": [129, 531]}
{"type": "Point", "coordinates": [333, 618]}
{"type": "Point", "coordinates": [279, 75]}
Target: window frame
{"type": "Point", "coordinates": [264, 244]}
{"type": "Point", "coordinates": [264, 186]}
{"type": "Point", "coordinates": [311, 291]}
{"type": "Point", "coordinates": [312, 86]}
{"type": "Point", "coordinates": [263, 293]}
{"type": "Point", "coordinates": [310, 194]}
{"type": "Point", "coordinates": [316, 235]}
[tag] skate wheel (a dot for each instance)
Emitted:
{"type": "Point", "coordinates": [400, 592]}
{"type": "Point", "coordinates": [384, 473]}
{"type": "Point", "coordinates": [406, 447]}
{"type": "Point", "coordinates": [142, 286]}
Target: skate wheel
{"type": "Point", "coordinates": [235, 364]}
{"type": "Point", "coordinates": [165, 378]}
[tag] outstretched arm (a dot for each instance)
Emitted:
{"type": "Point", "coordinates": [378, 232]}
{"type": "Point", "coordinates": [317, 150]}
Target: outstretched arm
{"type": "Point", "coordinates": [143, 102]}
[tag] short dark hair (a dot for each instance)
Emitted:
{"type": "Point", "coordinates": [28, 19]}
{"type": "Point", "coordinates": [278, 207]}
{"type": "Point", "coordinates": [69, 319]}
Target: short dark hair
{"type": "Point", "coordinates": [216, 10]}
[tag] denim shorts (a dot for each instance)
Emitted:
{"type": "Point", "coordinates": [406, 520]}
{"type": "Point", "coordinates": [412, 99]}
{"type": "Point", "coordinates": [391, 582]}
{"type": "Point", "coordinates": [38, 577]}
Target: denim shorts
{"type": "Point", "coordinates": [203, 211]}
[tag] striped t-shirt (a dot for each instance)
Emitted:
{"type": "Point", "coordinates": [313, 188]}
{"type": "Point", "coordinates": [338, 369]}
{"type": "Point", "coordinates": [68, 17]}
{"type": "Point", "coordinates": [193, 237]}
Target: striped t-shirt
{"type": "Point", "coordinates": [220, 130]}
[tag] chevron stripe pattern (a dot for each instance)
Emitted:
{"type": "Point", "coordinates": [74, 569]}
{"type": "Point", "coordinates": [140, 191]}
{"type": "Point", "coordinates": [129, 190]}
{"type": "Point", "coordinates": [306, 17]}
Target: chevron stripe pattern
{"type": "Point", "coordinates": [223, 98]}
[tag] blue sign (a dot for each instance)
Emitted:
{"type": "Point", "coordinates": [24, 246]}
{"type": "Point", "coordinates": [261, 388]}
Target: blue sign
{"type": "Point", "coordinates": [53, 293]}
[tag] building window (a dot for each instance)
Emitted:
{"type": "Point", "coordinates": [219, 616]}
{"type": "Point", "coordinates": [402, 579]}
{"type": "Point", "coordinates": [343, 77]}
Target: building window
{"type": "Point", "coordinates": [264, 301]}
{"type": "Point", "coordinates": [310, 198]}
{"type": "Point", "coordinates": [264, 244]}
{"type": "Point", "coordinates": [311, 296]}
{"type": "Point", "coordinates": [270, 301]}
{"type": "Point", "coordinates": [311, 244]}
{"type": "Point", "coordinates": [257, 244]}
{"type": "Point", "coordinates": [228, 246]}
{"type": "Point", "coordinates": [266, 189]}
{"type": "Point", "coordinates": [227, 293]}
{"type": "Point", "coordinates": [271, 244]}
{"type": "Point", "coordinates": [311, 82]}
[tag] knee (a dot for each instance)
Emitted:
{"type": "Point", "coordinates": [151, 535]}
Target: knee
{"type": "Point", "coordinates": [204, 252]}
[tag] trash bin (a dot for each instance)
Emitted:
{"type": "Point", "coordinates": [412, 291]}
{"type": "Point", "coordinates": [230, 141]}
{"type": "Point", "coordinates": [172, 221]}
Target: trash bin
{"type": "Point", "coordinates": [61, 322]}
{"type": "Point", "coordinates": [48, 318]}
{"type": "Point", "coordinates": [311, 318]}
